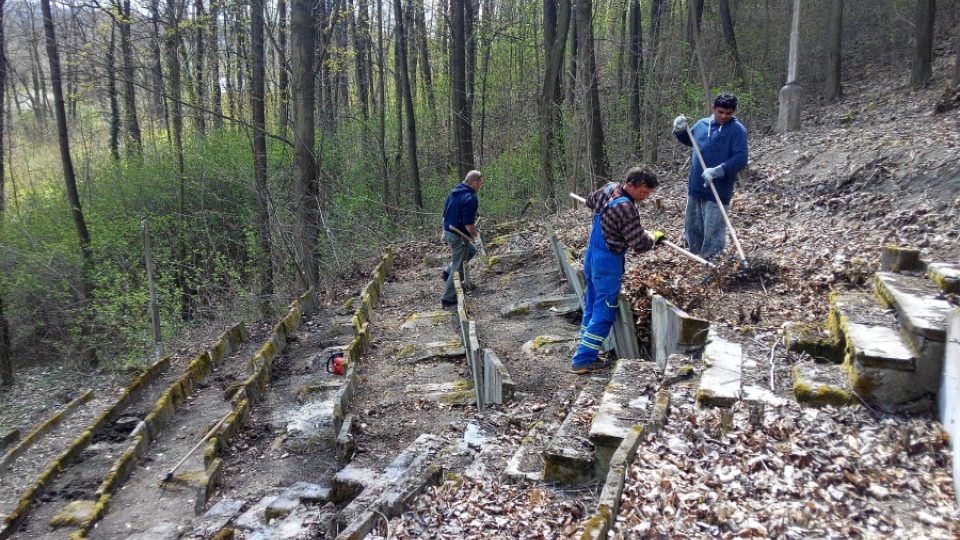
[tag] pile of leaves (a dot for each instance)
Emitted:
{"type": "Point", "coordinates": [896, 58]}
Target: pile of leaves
{"type": "Point", "coordinates": [800, 473]}
{"type": "Point", "coordinates": [465, 509]}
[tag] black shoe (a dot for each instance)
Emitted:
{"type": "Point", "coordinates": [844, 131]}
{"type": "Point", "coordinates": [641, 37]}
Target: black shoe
{"type": "Point", "coordinates": [447, 303]}
{"type": "Point", "coordinates": [445, 275]}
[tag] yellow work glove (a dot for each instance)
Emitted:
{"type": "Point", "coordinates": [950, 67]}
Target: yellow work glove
{"type": "Point", "coordinates": [658, 237]}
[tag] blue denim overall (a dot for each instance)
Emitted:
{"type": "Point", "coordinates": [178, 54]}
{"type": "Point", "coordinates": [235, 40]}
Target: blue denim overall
{"type": "Point", "coordinates": [603, 272]}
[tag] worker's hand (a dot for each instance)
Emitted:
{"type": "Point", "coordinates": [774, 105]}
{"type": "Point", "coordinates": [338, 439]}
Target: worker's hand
{"type": "Point", "coordinates": [680, 123]}
{"type": "Point", "coordinates": [712, 173]}
{"type": "Point", "coordinates": [658, 236]}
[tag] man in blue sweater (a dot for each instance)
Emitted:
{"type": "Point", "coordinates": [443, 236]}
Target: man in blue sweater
{"type": "Point", "coordinates": [723, 142]}
{"type": "Point", "coordinates": [459, 216]}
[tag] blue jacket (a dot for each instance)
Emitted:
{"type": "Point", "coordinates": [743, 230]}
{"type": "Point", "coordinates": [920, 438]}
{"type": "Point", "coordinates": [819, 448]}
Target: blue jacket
{"type": "Point", "coordinates": [724, 145]}
{"type": "Point", "coordinates": [460, 209]}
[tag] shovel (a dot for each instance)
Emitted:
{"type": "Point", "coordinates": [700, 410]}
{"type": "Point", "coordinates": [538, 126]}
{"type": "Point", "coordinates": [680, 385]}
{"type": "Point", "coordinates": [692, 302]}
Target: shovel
{"type": "Point", "coordinates": [716, 196]}
{"type": "Point", "coordinates": [667, 243]}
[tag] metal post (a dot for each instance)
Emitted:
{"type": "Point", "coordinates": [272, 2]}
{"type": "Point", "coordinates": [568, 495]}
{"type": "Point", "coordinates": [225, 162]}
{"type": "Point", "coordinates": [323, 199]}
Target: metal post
{"type": "Point", "coordinates": [154, 306]}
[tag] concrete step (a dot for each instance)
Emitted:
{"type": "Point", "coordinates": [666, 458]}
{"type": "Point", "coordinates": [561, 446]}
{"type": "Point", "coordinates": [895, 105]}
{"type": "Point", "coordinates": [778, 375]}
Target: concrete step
{"type": "Point", "coordinates": [814, 339]}
{"type": "Point", "coordinates": [946, 276]}
{"type": "Point", "coordinates": [526, 464]}
{"type": "Point", "coordinates": [870, 332]}
{"type": "Point", "coordinates": [819, 385]}
{"type": "Point", "coordinates": [919, 303]}
{"type": "Point", "coordinates": [626, 403]}
{"type": "Point", "coordinates": [720, 381]}
{"type": "Point", "coordinates": [412, 470]}
{"type": "Point", "coordinates": [569, 458]}
{"type": "Point", "coordinates": [544, 305]}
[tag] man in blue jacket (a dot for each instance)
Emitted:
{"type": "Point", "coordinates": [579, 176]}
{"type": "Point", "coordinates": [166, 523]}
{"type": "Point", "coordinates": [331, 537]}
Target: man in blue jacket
{"type": "Point", "coordinates": [459, 216]}
{"type": "Point", "coordinates": [723, 142]}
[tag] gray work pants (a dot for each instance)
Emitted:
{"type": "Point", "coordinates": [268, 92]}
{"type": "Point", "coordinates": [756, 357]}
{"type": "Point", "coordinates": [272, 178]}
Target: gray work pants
{"type": "Point", "coordinates": [463, 251]}
{"type": "Point", "coordinates": [704, 227]}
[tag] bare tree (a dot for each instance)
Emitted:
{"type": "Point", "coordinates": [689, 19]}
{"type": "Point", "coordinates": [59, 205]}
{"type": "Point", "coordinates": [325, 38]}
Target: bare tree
{"type": "Point", "coordinates": [413, 167]}
{"type": "Point", "coordinates": [134, 139]}
{"type": "Point", "coordinates": [556, 24]}
{"type": "Point", "coordinates": [6, 356]}
{"type": "Point", "coordinates": [424, 51]}
{"type": "Point", "coordinates": [111, 74]}
{"type": "Point", "coordinates": [925, 14]}
{"type": "Point", "coordinates": [199, 77]}
{"type": "Point", "coordinates": [833, 88]}
{"type": "Point", "coordinates": [156, 66]}
{"type": "Point", "coordinates": [726, 23]}
{"type": "Point", "coordinates": [461, 111]}
{"type": "Point", "coordinates": [257, 107]}
{"type": "Point", "coordinates": [283, 78]}
{"type": "Point", "coordinates": [635, 71]}
{"type": "Point", "coordinates": [69, 177]}
{"type": "Point", "coordinates": [302, 42]}
{"type": "Point", "coordinates": [599, 167]}
{"type": "Point", "coordinates": [172, 45]}
{"type": "Point", "coordinates": [215, 63]}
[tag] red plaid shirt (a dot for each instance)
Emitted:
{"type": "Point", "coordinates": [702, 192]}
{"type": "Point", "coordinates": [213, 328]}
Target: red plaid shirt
{"type": "Point", "coordinates": [620, 223]}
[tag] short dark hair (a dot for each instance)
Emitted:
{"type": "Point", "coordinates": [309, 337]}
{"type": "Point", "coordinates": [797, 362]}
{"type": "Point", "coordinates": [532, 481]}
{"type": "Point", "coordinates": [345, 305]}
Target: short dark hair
{"type": "Point", "coordinates": [641, 176]}
{"type": "Point", "coordinates": [726, 101]}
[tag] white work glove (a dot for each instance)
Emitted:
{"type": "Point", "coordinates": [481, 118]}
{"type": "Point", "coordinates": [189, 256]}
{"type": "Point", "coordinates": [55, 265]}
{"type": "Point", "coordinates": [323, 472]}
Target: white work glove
{"type": "Point", "coordinates": [712, 174]}
{"type": "Point", "coordinates": [680, 124]}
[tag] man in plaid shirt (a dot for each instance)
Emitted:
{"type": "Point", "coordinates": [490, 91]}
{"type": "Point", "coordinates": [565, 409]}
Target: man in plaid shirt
{"type": "Point", "coordinates": [616, 227]}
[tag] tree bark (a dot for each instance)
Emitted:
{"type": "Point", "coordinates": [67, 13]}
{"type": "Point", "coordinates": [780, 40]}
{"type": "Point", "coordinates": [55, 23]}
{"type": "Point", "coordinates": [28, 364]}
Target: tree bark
{"type": "Point", "coordinates": [131, 124]}
{"type": "Point", "coordinates": [834, 90]}
{"type": "Point", "coordinates": [382, 106]}
{"type": "Point", "coordinates": [283, 78]}
{"type": "Point", "coordinates": [361, 42]}
{"type": "Point", "coordinates": [556, 24]}
{"type": "Point", "coordinates": [217, 104]}
{"type": "Point", "coordinates": [111, 74]}
{"type": "Point", "coordinates": [257, 107]}
{"type": "Point", "coordinates": [303, 90]}
{"type": "Point", "coordinates": [470, 58]}
{"type": "Point", "coordinates": [200, 87]}
{"type": "Point", "coordinates": [424, 50]}
{"type": "Point", "coordinates": [694, 20]}
{"type": "Point", "coordinates": [461, 111]}
{"type": "Point", "coordinates": [635, 73]}
{"type": "Point", "coordinates": [413, 168]}
{"type": "Point", "coordinates": [156, 69]}
{"type": "Point", "coordinates": [176, 121]}
{"type": "Point", "coordinates": [726, 23]}
{"type": "Point", "coordinates": [69, 177]}
{"type": "Point", "coordinates": [6, 354]}
{"type": "Point", "coordinates": [923, 47]}
{"type": "Point", "coordinates": [591, 108]}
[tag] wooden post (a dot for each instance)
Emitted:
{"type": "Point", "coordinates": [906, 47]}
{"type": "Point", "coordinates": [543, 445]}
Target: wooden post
{"type": "Point", "coordinates": [154, 306]}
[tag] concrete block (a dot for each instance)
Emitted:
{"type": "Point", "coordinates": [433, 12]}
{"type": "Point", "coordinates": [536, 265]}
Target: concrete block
{"type": "Point", "coordinates": [624, 331]}
{"type": "Point", "coordinates": [554, 304]}
{"type": "Point", "coordinates": [427, 319]}
{"type": "Point", "coordinates": [307, 493]}
{"type": "Point", "coordinates": [608, 506]}
{"type": "Point", "coordinates": [9, 438]}
{"type": "Point", "coordinates": [948, 401]}
{"type": "Point", "coordinates": [946, 276]}
{"type": "Point", "coordinates": [350, 481]}
{"type": "Point", "coordinates": [160, 531]}
{"type": "Point", "coordinates": [569, 457]}
{"type": "Point", "coordinates": [216, 518]}
{"type": "Point", "coordinates": [498, 386]}
{"type": "Point", "coordinates": [346, 445]}
{"type": "Point", "coordinates": [255, 517]}
{"type": "Point", "coordinates": [280, 507]}
{"type": "Point", "coordinates": [626, 402]}
{"type": "Point", "coordinates": [431, 350]}
{"type": "Point", "coordinates": [819, 385]}
{"type": "Point", "coordinates": [720, 381]}
{"type": "Point", "coordinates": [550, 345]}
{"type": "Point", "coordinates": [503, 262]}
{"type": "Point", "coordinates": [73, 514]}
{"type": "Point", "coordinates": [918, 302]}
{"type": "Point", "coordinates": [566, 263]}
{"type": "Point", "coordinates": [674, 331]}
{"type": "Point", "coordinates": [898, 259]}
{"type": "Point", "coordinates": [813, 339]}
{"type": "Point", "coordinates": [475, 359]}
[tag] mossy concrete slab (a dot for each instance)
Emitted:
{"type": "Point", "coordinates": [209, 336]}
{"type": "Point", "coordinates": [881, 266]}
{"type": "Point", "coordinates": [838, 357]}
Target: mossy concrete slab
{"type": "Point", "coordinates": [550, 345]}
{"type": "Point", "coordinates": [919, 303]}
{"type": "Point", "coordinates": [498, 386]}
{"type": "Point", "coordinates": [819, 385]}
{"type": "Point", "coordinates": [555, 304]}
{"type": "Point", "coordinates": [431, 350]}
{"type": "Point", "coordinates": [626, 403]}
{"type": "Point", "coordinates": [946, 276]}
{"type": "Point", "coordinates": [720, 381]}
{"type": "Point", "coordinates": [569, 457]}
{"type": "Point", "coordinates": [871, 333]}
{"type": "Point", "coordinates": [216, 518]}
{"type": "Point", "coordinates": [9, 438]}
{"type": "Point", "coordinates": [73, 514]}
{"type": "Point", "coordinates": [674, 331]}
{"type": "Point", "coordinates": [509, 260]}
{"type": "Point", "coordinates": [814, 339]}
{"type": "Point", "coordinates": [427, 319]}
{"type": "Point", "coordinates": [350, 481]}
{"type": "Point", "coordinates": [310, 424]}
{"type": "Point", "coordinates": [255, 517]}
{"type": "Point", "coordinates": [894, 258]}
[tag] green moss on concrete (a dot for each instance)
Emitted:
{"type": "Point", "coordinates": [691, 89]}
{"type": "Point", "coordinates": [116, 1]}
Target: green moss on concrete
{"type": "Point", "coordinates": [818, 394]}
{"type": "Point", "coordinates": [406, 350]}
{"type": "Point", "coordinates": [72, 514]}
{"type": "Point", "coordinates": [815, 339]}
{"type": "Point", "coordinates": [597, 527]}
{"type": "Point", "coordinates": [457, 397]}
{"type": "Point", "coordinates": [224, 534]}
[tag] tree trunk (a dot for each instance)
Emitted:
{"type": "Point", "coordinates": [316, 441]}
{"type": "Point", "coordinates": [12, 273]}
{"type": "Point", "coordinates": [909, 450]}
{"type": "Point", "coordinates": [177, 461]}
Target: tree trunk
{"type": "Point", "coordinates": [257, 107]}
{"type": "Point", "coordinates": [461, 111]}
{"type": "Point", "coordinates": [621, 51]}
{"type": "Point", "coordinates": [694, 20]}
{"type": "Point", "coordinates": [200, 87]}
{"type": "Point", "coordinates": [923, 48]}
{"type": "Point", "coordinates": [114, 122]}
{"type": "Point", "coordinates": [36, 71]}
{"type": "Point", "coordinates": [303, 90]}
{"type": "Point", "coordinates": [361, 38]}
{"type": "Point", "coordinates": [591, 108]}
{"type": "Point", "coordinates": [425, 59]}
{"type": "Point", "coordinates": [156, 69]}
{"type": "Point", "coordinates": [635, 73]}
{"type": "Point", "coordinates": [131, 125]}
{"type": "Point", "coordinates": [176, 121]}
{"type": "Point", "coordinates": [556, 24]}
{"type": "Point", "coordinates": [726, 23]}
{"type": "Point", "coordinates": [413, 168]}
{"type": "Point", "coordinates": [651, 100]}
{"type": "Point", "coordinates": [6, 355]}
{"type": "Point", "coordinates": [283, 79]}
{"type": "Point", "coordinates": [215, 63]}
{"type": "Point", "coordinates": [470, 58]}
{"type": "Point", "coordinates": [382, 139]}
{"type": "Point", "coordinates": [834, 91]}
{"type": "Point", "coordinates": [69, 177]}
